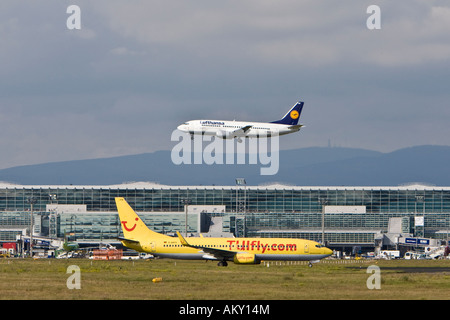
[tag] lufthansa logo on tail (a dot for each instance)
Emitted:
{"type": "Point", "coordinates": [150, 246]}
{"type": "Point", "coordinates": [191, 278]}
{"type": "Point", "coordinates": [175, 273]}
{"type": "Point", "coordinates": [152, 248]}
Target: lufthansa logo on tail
{"type": "Point", "coordinates": [294, 114]}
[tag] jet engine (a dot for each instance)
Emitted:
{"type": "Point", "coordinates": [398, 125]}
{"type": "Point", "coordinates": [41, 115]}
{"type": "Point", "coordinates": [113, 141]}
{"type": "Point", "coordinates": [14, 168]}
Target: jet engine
{"type": "Point", "coordinates": [245, 258]}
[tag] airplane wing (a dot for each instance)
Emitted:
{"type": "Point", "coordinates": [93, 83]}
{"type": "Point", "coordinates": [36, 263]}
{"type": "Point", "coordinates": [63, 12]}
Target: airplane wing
{"type": "Point", "coordinates": [217, 253]}
{"type": "Point", "coordinates": [242, 130]}
{"type": "Point", "coordinates": [246, 128]}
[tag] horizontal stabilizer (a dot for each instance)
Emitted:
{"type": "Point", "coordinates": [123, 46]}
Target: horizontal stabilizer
{"type": "Point", "coordinates": [128, 240]}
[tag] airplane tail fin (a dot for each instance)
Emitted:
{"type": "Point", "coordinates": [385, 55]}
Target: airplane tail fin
{"type": "Point", "coordinates": [133, 227]}
{"type": "Point", "coordinates": [293, 115]}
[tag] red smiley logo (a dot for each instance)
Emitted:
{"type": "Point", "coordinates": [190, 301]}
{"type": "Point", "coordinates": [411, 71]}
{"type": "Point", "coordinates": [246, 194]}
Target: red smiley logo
{"type": "Point", "coordinates": [124, 223]}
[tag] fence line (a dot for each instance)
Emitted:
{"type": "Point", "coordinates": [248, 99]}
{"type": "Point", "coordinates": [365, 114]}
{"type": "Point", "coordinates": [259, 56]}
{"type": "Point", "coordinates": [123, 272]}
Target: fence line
{"type": "Point", "coordinates": [304, 263]}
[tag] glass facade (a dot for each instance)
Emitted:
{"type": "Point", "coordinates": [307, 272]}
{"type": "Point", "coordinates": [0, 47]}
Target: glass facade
{"type": "Point", "coordinates": [103, 226]}
{"type": "Point", "coordinates": [263, 211]}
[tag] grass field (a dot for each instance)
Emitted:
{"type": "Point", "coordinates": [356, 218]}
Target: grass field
{"type": "Point", "coordinates": [196, 280]}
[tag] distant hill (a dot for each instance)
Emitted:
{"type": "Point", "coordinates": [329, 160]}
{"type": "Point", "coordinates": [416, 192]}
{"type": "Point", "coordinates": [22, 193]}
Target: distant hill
{"type": "Point", "coordinates": [307, 167]}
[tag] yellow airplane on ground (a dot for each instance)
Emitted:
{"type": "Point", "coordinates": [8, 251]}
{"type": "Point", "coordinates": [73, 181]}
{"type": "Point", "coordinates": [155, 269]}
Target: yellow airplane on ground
{"type": "Point", "coordinates": [139, 237]}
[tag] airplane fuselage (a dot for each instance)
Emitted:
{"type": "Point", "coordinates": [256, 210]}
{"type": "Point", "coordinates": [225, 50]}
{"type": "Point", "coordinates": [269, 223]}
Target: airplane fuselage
{"type": "Point", "coordinates": [262, 248]}
{"type": "Point", "coordinates": [239, 129]}
{"type": "Point", "coordinates": [231, 129]}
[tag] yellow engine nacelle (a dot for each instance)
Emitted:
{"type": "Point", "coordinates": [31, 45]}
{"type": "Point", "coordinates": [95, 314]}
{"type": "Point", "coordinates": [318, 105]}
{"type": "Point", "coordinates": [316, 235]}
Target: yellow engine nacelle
{"type": "Point", "coordinates": [245, 258]}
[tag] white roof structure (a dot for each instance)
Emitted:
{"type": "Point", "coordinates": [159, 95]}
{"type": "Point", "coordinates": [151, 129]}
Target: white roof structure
{"type": "Point", "coordinates": [275, 186]}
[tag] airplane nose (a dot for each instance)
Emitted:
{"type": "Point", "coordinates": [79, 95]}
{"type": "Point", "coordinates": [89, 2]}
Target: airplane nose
{"type": "Point", "coordinates": [327, 251]}
{"type": "Point", "coordinates": [181, 127]}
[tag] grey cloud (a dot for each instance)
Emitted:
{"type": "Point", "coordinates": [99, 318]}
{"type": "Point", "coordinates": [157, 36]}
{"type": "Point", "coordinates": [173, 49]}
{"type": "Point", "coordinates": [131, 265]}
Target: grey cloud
{"type": "Point", "coordinates": [135, 70]}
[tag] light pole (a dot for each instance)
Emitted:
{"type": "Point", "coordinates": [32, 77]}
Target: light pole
{"type": "Point", "coordinates": [241, 182]}
{"type": "Point", "coordinates": [186, 203]}
{"type": "Point", "coordinates": [323, 202]}
{"type": "Point", "coordinates": [31, 201]}
{"type": "Point", "coordinates": [241, 208]}
{"type": "Point", "coordinates": [419, 221]}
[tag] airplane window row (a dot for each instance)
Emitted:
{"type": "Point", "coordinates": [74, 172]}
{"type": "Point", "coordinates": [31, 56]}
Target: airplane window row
{"type": "Point", "coordinates": [179, 245]}
{"type": "Point", "coordinates": [209, 246]}
{"type": "Point", "coordinates": [226, 246]}
{"type": "Point", "coordinates": [217, 246]}
{"type": "Point", "coordinates": [237, 127]}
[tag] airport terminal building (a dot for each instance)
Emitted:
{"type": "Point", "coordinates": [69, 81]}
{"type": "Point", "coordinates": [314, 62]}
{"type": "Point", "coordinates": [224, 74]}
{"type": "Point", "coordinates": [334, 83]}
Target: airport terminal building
{"type": "Point", "coordinates": [342, 217]}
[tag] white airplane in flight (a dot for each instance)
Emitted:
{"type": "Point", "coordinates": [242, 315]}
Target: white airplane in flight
{"type": "Point", "coordinates": [242, 129]}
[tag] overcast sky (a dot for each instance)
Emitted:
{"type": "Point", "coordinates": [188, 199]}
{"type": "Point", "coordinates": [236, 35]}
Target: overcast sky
{"type": "Point", "coordinates": [137, 69]}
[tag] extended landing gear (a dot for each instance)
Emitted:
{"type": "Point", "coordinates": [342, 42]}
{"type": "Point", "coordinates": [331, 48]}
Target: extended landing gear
{"type": "Point", "coordinates": [310, 264]}
{"type": "Point", "coordinates": [222, 264]}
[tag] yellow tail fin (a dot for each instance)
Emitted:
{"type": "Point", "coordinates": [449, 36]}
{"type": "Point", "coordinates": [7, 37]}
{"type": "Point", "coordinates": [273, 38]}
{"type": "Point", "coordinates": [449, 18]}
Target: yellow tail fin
{"type": "Point", "coordinates": [132, 226]}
